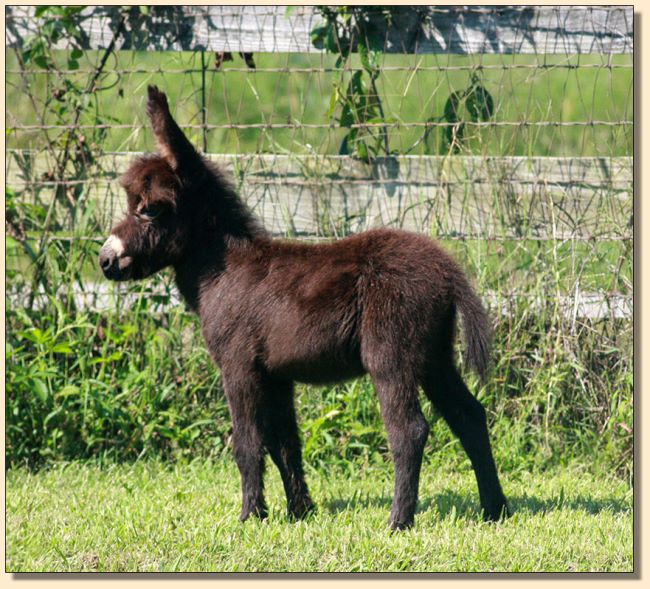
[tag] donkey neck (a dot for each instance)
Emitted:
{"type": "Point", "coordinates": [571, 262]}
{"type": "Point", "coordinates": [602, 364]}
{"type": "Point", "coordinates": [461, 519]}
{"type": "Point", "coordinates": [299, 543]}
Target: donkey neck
{"type": "Point", "coordinates": [221, 224]}
{"type": "Point", "coordinates": [203, 264]}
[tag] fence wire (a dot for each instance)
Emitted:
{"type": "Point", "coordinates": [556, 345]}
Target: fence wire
{"type": "Point", "coordinates": [507, 133]}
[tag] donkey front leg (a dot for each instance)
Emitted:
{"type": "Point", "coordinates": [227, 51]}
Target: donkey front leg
{"type": "Point", "coordinates": [245, 396]}
{"type": "Point", "coordinates": [283, 441]}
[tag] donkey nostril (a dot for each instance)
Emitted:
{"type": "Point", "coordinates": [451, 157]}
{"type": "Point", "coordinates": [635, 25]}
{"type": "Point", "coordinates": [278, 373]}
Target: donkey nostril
{"type": "Point", "coordinates": [105, 261]}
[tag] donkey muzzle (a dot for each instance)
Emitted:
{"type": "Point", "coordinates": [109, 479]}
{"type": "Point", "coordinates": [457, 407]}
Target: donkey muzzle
{"type": "Point", "coordinates": [114, 264]}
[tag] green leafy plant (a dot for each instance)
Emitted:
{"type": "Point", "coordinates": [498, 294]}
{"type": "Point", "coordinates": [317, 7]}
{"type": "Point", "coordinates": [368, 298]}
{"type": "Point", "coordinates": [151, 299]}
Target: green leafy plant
{"type": "Point", "coordinates": [348, 29]}
{"type": "Point", "coordinates": [58, 22]}
{"type": "Point", "coordinates": [73, 152]}
{"type": "Point", "coordinates": [473, 104]}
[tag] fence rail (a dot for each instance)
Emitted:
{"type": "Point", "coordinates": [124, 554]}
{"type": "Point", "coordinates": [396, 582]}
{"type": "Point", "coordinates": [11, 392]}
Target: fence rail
{"type": "Point", "coordinates": [546, 194]}
{"type": "Point", "coordinates": [420, 29]}
{"type": "Point", "coordinates": [490, 197]}
{"type": "Point", "coordinates": [104, 296]}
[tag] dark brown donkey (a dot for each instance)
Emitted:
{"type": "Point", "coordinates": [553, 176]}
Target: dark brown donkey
{"type": "Point", "coordinates": [273, 312]}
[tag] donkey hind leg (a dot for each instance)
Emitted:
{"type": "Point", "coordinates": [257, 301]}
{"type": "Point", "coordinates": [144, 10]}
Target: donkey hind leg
{"type": "Point", "coordinates": [466, 418]}
{"type": "Point", "coordinates": [283, 443]}
{"type": "Point", "coordinates": [407, 432]}
{"type": "Point", "coordinates": [245, 393]}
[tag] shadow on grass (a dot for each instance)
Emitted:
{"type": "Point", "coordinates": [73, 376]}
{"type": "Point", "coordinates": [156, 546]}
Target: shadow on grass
{"type": "Point", "coordinates": [449, 502]}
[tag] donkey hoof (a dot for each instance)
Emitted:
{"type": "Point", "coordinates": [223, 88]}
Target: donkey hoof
{"type": "Point", "coordinates": [398, 526]}
{"type": "Point", "coordinates": [259, 513]}
{"type": "Point", "coordinates": [500, 513]}
{"type": "Point", "coordinates": [302, 510]}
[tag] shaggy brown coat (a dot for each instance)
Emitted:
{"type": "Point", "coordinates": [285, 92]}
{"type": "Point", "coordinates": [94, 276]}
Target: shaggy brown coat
{"type": "Point", "coordinates": [273, 312]}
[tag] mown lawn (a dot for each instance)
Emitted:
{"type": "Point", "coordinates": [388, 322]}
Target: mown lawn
{"type": "Point", "coordinates": [153, 517]}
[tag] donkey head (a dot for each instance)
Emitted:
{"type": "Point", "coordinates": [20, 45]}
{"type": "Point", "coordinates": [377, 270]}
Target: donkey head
{"type": "Point", "coordinates": [155, 230]}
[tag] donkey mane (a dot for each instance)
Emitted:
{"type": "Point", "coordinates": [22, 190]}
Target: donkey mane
{"type": "Point", "coordinates": [224, 209]}
{"type": "Point", "coordinates": [220, 222]}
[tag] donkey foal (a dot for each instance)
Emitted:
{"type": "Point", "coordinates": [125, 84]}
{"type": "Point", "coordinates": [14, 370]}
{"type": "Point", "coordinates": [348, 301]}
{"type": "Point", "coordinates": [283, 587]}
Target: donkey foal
{"type": "Point", "coordinates": [273, 312]}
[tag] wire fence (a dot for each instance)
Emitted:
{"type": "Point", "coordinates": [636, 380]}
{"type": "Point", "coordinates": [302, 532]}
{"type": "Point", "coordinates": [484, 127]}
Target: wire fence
{"type": "Point", "coordinates": [507, 132]}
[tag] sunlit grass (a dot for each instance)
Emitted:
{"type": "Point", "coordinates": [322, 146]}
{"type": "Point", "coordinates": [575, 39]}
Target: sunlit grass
{"type": "Point", "coordinates": [411, 88]}
{"type": "Point", "coordinates": [150, 517]}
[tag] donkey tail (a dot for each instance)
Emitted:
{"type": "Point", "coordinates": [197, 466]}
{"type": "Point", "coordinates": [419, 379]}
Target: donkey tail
{"type": "Point", "coordinates": [477, 333]}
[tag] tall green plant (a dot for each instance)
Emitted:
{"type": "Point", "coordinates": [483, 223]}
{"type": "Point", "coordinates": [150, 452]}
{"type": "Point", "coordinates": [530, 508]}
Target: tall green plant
{"type": "Point", "coordinates": [348, 29]}
{"type": "Point", "coordinates": [73, 152]}
{"type": "Point", "coordinates": [364, 29]}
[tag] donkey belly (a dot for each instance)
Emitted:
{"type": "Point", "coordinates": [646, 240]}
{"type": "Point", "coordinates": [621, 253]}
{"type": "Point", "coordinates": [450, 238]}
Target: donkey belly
{"type": "Point", "coordinates": [315, 352]}
{"type": "Point", "coordinates": [319, 370]}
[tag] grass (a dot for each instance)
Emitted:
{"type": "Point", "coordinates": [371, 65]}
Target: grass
{"type": "Point", "coordinates": [153, 517]}
{"type": "Point", "coordinates": [552, 92]}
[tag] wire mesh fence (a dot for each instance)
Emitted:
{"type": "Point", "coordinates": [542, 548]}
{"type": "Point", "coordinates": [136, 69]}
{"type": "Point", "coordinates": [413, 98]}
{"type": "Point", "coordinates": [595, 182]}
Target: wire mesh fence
{"type": "Point", "coordinates": [504, 132]}
{"type": "Point", "coordinates": [548, 161]}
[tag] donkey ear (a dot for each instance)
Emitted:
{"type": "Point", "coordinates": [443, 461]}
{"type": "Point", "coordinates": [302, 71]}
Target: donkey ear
{"type": "Point", "coordinates": [172, 143]}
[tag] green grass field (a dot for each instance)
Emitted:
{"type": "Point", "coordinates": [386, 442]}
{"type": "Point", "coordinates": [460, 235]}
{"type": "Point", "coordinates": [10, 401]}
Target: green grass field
{"type": "Point", "coordinates": [150, 517]}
